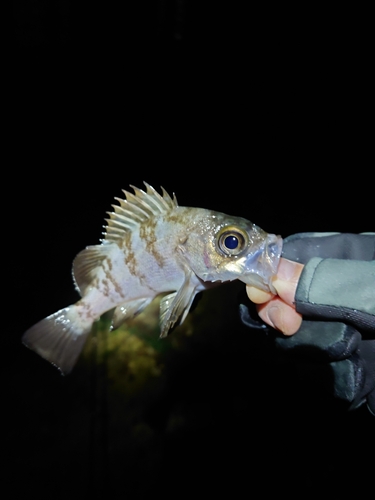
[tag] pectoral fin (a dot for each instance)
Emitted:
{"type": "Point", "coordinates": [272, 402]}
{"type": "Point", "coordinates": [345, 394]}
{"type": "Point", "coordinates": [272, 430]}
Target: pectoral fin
{"type": "Point", "coordinates": [128, 310]}
{"type": "Point", "coordinates": [175, 306]}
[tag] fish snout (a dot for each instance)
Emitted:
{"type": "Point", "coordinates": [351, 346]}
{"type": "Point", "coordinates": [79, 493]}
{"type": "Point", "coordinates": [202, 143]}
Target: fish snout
{"type": "Point", "coordinates": [261, 265]}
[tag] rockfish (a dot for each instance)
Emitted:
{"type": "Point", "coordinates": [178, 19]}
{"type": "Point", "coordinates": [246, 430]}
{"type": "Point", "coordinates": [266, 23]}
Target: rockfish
{"type": "Point", "coordinates": [153, 246]}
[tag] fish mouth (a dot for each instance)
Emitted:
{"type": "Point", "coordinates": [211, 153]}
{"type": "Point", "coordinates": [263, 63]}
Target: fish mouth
{"type": "Point", "coordinates": [261, 266]}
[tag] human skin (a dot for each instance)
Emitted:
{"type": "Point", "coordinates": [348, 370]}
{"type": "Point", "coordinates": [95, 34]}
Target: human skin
{"type": "Point", "coordinates": [279, 310]}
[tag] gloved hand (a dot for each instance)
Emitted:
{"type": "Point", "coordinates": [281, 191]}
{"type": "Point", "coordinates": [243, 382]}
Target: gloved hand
{"type": "Point", "coordinates": [351, 360]}
{"type": "Point", "coordinates": [336, 332]}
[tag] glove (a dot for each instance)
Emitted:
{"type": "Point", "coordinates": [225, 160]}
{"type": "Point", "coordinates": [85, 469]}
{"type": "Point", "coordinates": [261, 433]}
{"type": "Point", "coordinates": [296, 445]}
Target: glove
{"type": "Point", "coordinates": [336, 348]}
{"type": "Point", "coordinates": [340, 348]}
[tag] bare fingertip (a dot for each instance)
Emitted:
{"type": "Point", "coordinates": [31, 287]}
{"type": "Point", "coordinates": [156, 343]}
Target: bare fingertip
{"type": "Point", "coordinates": [258, 296]}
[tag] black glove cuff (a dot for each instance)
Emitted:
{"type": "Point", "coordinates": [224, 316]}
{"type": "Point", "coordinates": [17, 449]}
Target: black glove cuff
{"type": "Point", "coordinates": [322, 340]}
{"type": "Point", "coordinates": [366, 355]}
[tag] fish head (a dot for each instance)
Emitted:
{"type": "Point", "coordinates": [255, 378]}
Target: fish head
{"type": "Point", "coordinates": [225, 248]}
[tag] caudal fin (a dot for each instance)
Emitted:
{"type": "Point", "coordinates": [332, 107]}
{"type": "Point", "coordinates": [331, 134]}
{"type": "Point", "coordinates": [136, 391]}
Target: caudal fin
{"type": "Point", "coordinates": [59, 338]}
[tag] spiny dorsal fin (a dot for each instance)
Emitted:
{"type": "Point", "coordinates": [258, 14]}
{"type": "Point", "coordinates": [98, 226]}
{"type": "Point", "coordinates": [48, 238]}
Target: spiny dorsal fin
{"type": "Point", "coordinates": [135, 209]}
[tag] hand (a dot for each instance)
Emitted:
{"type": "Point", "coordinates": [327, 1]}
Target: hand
{"type": "Point", "coordinates": [336, 335]}
{"type": "Point", "coordinates": [278, 310]}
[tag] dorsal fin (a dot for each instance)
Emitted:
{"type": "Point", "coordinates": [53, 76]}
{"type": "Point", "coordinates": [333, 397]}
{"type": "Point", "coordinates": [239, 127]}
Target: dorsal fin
{"type": "Point", "coordinates": [86, 263]}
{"type": "Point", "coordinates": [134, 209]}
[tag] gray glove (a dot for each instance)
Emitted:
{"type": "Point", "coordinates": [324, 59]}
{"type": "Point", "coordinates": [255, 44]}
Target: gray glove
{"type": "Point", "coordinates": [336, 295]}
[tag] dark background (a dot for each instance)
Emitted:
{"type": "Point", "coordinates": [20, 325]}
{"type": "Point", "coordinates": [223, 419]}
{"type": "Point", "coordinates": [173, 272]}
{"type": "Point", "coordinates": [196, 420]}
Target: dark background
{"type": "Point", "coordinates": [254, 111]}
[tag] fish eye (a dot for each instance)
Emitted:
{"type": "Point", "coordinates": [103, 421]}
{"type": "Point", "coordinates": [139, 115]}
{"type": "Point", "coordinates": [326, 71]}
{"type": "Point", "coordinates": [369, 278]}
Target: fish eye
{"type": "Point", "coordinates": [231, 241]}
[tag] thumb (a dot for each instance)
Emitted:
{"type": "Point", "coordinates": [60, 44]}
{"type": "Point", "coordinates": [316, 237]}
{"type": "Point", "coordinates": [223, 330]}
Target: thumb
{"type": "Point", "coordinates": [286, 280]}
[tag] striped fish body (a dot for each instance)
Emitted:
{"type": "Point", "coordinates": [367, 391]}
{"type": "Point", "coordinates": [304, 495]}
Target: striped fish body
{"type": "Point", "coordinates": [153, 246]}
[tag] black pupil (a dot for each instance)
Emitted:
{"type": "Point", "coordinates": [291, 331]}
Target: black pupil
{"type": "Point", "coordinates": [231, 242]}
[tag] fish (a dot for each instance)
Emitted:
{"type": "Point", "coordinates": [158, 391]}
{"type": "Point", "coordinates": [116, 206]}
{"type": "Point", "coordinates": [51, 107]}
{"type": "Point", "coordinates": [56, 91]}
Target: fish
{"type": "Point", "coordinates": [152, 246]}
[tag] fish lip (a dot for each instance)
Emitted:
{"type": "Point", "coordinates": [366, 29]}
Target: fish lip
{"type": "Point", "coordinates": [261, 266]}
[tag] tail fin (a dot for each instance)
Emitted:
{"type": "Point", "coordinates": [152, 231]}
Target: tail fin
{"type": "Point", "coordinates": [59, 338]}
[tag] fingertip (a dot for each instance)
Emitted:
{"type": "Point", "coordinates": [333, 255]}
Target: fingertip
{"type": "Point", "coordinates": [280, 316]}
{"type": "Point", "coordinates": [286, 280]}
{"type": "Point", "coordinates": [258, 296]}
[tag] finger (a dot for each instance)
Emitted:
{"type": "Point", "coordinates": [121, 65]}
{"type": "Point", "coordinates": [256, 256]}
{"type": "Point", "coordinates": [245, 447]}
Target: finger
{"type": "Point", "coordinates": [286, 280]}
{"type": "Point", "coordinates": [258, 296]}
{"type": "Point", "coordinates": [280, 316]}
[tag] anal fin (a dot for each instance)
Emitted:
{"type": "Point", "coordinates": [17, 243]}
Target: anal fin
{"type": "Point", "coordinates": [128, 310]}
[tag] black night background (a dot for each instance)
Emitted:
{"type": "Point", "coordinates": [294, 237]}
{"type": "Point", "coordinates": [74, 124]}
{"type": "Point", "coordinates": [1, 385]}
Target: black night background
{"type": "Point", "coordinates": [260, 112]}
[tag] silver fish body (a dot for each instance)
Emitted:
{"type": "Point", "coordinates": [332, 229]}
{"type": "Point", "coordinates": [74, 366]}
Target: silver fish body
{"type": "Point", "coordinates": [153, 246]}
